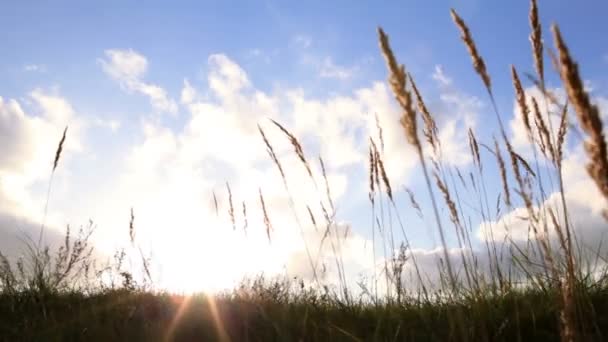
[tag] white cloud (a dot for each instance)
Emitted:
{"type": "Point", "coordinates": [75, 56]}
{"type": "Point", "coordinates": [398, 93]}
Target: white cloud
{"type": "Point", "coordinates": [226, 77]}
{"type": "Point", "coordinates": [329, 69]}
{"type": "Point", "coordinates": [112, 124]}
{"type": "Point", "coordinates": [128, 68]}
{"type": "Point", "coordinates": [169, 175]}
{"type": "Point", "coordinates": [440, 77]}
{"type": "Point", "coordinates": [455, 113]}
{"type": "Point", "coordinates": [302, 41]}
{"type": "Point", "coordinates": [220, 142]}
{"type": "Point", "coordinates": [188, 94]}
{"type": "Point", "coordinates": [584, 203]}
{"type": "Point", "coordinates": [30, 139]}
{"type": "Point", "coordinates": [34, 68]}
{"type": "Point", "coordinates": [27, 137]}
{"type": "Point", "coordinates": [519, 136]}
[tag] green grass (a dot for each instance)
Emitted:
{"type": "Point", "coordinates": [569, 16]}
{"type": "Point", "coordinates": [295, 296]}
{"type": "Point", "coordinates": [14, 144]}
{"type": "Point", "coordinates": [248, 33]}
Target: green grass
{"type": "Point", "coordinates": [273, 312]}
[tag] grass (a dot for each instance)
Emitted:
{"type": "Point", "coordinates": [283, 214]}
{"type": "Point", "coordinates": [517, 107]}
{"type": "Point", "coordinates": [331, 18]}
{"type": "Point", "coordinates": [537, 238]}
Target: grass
{"type": "Point", "coordinates": [277, 311]}
{"type": "Point", "coordinates": [546, 288]}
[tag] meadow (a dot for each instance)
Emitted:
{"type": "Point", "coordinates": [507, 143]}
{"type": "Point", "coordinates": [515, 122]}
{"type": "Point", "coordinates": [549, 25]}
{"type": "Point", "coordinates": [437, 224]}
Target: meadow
{"type": "Point", "coordinates": [552, 287]}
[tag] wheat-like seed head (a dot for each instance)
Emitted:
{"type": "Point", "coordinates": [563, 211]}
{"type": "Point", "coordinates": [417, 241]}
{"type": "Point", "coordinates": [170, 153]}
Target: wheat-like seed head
{"type": "Point", "coordinates": [521, 101]}
{"type": "Point", "coordinates": [543, 132]}
{"type": "Point", "coordinates": [215, 204]}
{"type": "Point", "coordinates": [387, 184]}
{"type": "Point", "coordinates": [376, 168]}
{"type": "Point", "coordinates": [503, 174]}
{"type": "Point", "coordinates": [474, 147]}
{"type": "Point", "coordinates": [245, 223]}
{"type": "Point", "coordinates": [524, 163]}
{"type": "Point", "coordinates": [413, 201]}
{"type": "Point", "coordinates": [231, 207]}
{"type": "Point", "coordinates": [467, 38]}
{"type": "Point", "coordinates": [59, 148]}
{"type": "Point", "coordinates": [380, 132]}
{"type": "Point", "coordinates": [448, 199]}
{"type": "Point", "coordinates": [312, 217]}
{"type": "Point", "coordinates": [297, 147]}
{"type": "Point", "coordinates": [587, 113]}
{"type": "Point", "coordinates": [430, 128]}
{"type": "Point", "coordinates": [272, 154]}
{"type": "Point", "coordinates": [132, 227]}
{"type": "Point", "coordinates": [265, 213]}
{"type": "Point", "coordinates": [398, 82]}
{"type": "Point", "coordinates": [371, 174]}
{"type": "Point", "coordinates": [536, 40]}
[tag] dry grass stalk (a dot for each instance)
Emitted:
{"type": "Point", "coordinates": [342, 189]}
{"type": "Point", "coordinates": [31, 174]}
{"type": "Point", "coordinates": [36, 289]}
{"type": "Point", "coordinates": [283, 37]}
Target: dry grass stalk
{"type": "Point", "coordinates": [327, 189]}
{"type": "Point", "coordinates": [524, 163]}
{"type": "Point", "coordinates": [587, 113]}
{"type": "Point", "coordinates": [520, 182]}
{"type": "Point", "coordinates": [398, 81]}
{"type": "Point", "coordinates": [448, 199]}
{"type": "Point", "coordinates": [430, 127]}
{"type": "Point", "coordinates": [387, 184]}
{"type": "Point", "coordinates": [536, 40]}
{"type": "Point", "coordinates": [245, 224]}
{"type": "Point", "coordinates": [132, 227]}
{"type": "Point", "coordinates": [380, 132]}
{"type": "Point", "coordinates": [215, 204]}
{"type": "Point", "coordinates": [503, 174]}
{"type": "Point", "coordinates": [59, 148]}
{"type": "Point", "coordinates": [462, 181]}
{"type": "Point", "coordinates": [297, 147]}
{"type": "Point", "coordinates": [467, 38]}
{"type": "Point", "coordinates": [474, 147]}
{"type": "Point", "coordinates": [265, 213]}
{"type": "Point", "coordinates": [413, 201]}
{"type": "Point", "coordinates": [521, 101]}
{"type": "Point", "coordinates": [561, 136]}
{"type": "Point", "coordinates": [558, 229]}
{"type": "Point", "coordinates": [546, 92]}
{"type": "Point", "coordinates": [544, 136]}
{"type": "Point", "coordinates": [48, 193]}
{"type": "Point", "coordinates": [272, 154]}
{"type": "Point", "coordinates": [312, 217]}
{"type": "Point", "coordinates": [372, 162]}
{"type": "Point", "coordinates": [376, 156]}
{"type": "Point", "coordinates": [231, 207]}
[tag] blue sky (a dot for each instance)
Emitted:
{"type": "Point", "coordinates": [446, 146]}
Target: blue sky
{"type": "Point", "coordinates": [72, 62]}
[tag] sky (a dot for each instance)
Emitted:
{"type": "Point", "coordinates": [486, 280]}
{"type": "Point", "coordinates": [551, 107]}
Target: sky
{"type": "Point", "coordinates": [163, 104]}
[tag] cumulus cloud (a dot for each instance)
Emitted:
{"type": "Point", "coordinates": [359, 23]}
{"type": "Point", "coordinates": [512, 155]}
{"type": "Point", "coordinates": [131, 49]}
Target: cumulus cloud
{"type": "Point", "coordinates": [34, 68]}
{"type": "Point", "coordinates": [220, 143]}
{"type": "Point", "coordinates": [455, 112]}
{"type": "Point", "coordinates": [171, 175]}
{"type": "Point", "coordinates": [30, 139]}
{"type": "Point", "coordinates": [329, 69]}
{"type": "Point", "coordinates": [583, 200]}
{"type": "Point", "coordinates": [112, 124]}
{"type": "Point", "coordinates": [128, 68]}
